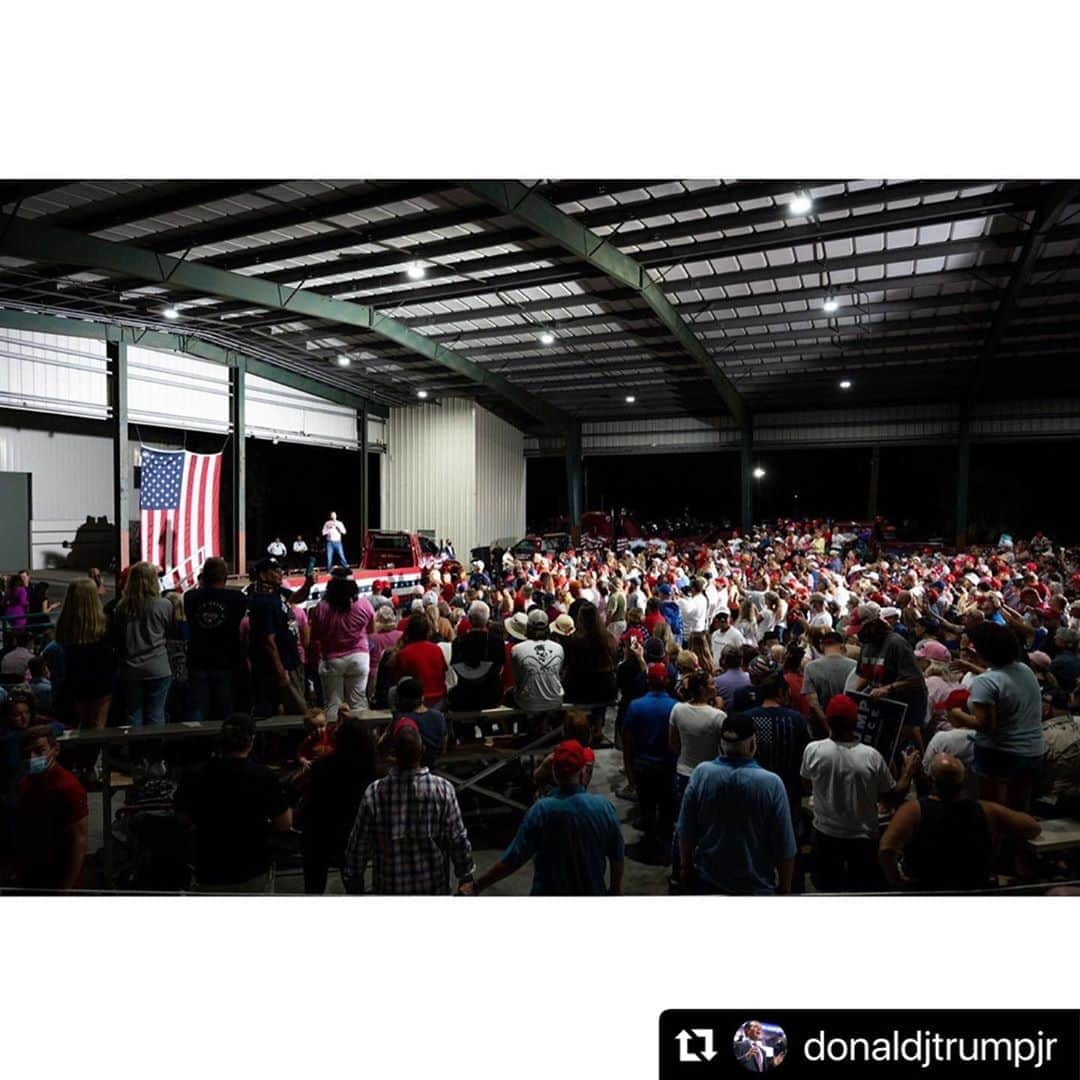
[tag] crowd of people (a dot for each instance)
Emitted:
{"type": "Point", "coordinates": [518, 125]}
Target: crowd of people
{"type": "Point", "coordinates": [732, 671]}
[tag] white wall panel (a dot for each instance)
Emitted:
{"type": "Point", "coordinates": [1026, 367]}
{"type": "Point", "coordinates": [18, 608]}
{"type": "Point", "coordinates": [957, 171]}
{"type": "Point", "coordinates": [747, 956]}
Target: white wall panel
{"type": "Point", "coordinates": [53, 373]}
{"type": "Point", "coordinates": [173, 390]}
{"type": "Point", "coordinates": [429, 475]}
{"type": "Point", "coordinates": [71, 479]}
{"type": "Point", "coordinates": [377, 432]}
{"type": "Point", "coordinates": [500, 479]}
{"type": "Point", "coordinates": [276, 411]}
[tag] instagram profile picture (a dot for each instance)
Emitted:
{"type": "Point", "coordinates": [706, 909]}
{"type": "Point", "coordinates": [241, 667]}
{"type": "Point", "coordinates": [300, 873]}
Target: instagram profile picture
{"type": "Point", "coordinates": [759, 1046]}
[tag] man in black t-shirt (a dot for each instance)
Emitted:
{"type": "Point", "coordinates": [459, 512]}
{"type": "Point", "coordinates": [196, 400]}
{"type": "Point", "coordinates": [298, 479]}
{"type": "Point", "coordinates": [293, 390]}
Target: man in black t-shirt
{"type": "Point", "coordinates": [887, 668]}
{"type": "Point", "coordinates": [277, 678]}
{"type": "Point", "coordinates": [235, 805]}
{"type": "Point", "coordinates": [214, 614]}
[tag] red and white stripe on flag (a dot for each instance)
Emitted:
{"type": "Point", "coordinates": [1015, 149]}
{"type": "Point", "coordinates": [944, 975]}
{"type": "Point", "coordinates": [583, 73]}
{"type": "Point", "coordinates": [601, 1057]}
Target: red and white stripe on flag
{"type": "Point", "coordinates": [180, 499]}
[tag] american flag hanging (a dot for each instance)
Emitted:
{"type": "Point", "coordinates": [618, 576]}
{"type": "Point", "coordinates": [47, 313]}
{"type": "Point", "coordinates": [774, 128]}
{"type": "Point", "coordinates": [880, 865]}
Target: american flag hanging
{"type": "Point", "coordinates": [179, 496]}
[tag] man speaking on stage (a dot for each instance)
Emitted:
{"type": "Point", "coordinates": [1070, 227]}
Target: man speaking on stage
{"type": "Point", "coordinates": [333, 530]}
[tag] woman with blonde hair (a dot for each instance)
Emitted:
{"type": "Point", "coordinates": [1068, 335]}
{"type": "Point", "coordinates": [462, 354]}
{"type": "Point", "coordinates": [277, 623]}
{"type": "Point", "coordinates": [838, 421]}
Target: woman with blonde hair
{"type": "Point", "coordinates": [141, 624]}
{"type": "Point", "coordinates": [747, 622]}
{"type": "Point", "coordinates": [88, 660]}
{"type": "Point", "coordinates": [442, 629]}
{"type": "Point", "coordinates": [662, 632]}
{"type": "Point", "coordinates": [700, 647]}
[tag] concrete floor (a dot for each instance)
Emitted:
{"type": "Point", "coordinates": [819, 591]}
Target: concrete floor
{"type": "Point", "coordinates": [639, 879]}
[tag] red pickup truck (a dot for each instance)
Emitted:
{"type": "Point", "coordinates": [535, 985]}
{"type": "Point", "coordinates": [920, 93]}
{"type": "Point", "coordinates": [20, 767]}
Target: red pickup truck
{"type": "Point", "coordinates": [400, 558]}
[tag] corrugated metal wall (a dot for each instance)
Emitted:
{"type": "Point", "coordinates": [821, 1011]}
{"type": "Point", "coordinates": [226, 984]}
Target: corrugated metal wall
{"type": "Point", "coordinates": [51, 373]}
{"type": "Point", "coordinates": [429, 478]}
{"type": "Point", "coordinates": [280, 412]}
{"type": "Point", "coordinates": [924, 423]}
{"type": "Point", "coordinates": [72, 478]}
{"type": "Point", "coordinates": [67, 375]}
{"type": "Point", "coordinates": [500, 479]}
{"type": "Point", "coordinates": [171, 390]}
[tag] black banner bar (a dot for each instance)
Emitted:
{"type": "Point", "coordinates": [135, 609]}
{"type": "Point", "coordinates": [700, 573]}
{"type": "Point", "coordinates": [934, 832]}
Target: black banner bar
{"type": "Point", "coordinates": [788, 1044]}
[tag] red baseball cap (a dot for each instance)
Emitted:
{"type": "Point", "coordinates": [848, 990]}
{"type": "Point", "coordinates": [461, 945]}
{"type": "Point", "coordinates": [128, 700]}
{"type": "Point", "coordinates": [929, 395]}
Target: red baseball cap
{"type": "Point", "coordinates": [657, 675]}
{"type": "Point", "coordinates": [568, 757]}
{"type": "Point", "coordinates": [957, 699]}
{"type": "Point", "coordinates": [840, 705]}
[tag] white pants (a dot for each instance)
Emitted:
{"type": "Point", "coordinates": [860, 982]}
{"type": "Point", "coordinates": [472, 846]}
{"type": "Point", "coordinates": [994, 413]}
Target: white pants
{"type": "Point", "coordinates": [344, 679]}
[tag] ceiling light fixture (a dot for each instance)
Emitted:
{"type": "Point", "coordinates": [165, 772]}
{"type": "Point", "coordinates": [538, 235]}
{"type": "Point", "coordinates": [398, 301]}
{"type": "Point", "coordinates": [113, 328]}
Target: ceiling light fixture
{"type": "Point", "coordinates": [344, 361]}
{"type": "Point", "coordinates": [800, 204]}
{"type": "Point", "coordinates": [845, 384]}
{"type": "Point", "coordinates": [630, 399]}
{"type": "Point", "coordinates": [759, 472]}
{"type": "Point", "coordinates": [547, 338]}
{"type": "Point", "coordinates": [415, 271]}
{"type": "Point", "coordinates": [421, 394]}
{"type": "Point", "coordinates": [171, 313]}
{"type": "Point", "coordinates": [831, 304]}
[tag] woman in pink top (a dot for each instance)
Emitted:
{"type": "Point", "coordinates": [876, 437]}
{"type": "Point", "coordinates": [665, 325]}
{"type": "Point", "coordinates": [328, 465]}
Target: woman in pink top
{"type": "Point", "coordinates": [339, 623]}
{"type": "Point", "coordinates": [17, 601]}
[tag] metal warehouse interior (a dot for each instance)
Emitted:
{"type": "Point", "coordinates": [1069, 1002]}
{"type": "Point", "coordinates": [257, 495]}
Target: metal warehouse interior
{"type": "Point", "coordinates": [594, 317]}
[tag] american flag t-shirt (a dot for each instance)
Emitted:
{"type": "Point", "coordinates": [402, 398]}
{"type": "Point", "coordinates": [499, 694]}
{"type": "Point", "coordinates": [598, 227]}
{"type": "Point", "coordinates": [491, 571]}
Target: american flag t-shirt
{"type": "Point", "coordinates": [178, 496]}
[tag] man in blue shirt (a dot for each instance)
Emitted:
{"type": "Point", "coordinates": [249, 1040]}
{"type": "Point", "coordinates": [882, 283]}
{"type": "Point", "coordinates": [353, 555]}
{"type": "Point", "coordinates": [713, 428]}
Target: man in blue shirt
{"type": "Point", "coordinates": [650, 765]}
{"type": "Point", "coordinates": [735, 834]}
{"type": "Point", "coordinates": [672, 612]}
{"type": "Point", "coordinates": [570, 835]}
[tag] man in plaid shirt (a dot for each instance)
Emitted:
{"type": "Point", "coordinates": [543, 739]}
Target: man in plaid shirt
{"type": "Point", "coordinates": [409, 827]}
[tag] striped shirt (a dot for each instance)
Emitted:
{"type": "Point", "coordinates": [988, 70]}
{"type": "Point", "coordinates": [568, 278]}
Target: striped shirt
{"type": "Point", "coordinates": [409, 828]}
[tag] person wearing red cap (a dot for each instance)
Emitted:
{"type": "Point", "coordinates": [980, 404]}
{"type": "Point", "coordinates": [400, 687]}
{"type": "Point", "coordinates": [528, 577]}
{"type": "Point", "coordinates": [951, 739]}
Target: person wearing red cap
{"type": "Point", "coordinates": [649, 762]}
{"type": "Point", "coordinates": [847, 779]}
{"type": "Point", "coordinates": [571, 836]}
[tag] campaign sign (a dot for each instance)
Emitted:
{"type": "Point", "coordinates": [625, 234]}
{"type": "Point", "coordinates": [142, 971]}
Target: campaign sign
{"type": "Point", "coordinates": [880, 723]}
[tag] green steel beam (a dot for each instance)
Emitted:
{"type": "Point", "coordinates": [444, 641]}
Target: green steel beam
{"type": "Point", "coordinates": [43, 243]}
{"type": "Point", "coordinates": [122, 479]}
{"type": "Point", "coordinates": [238, 461]}
{"type": "Point", "coordinates": [575, 500]}
{"type": "Point", "coordinates": [189, 346]}
{"type": "Point", "coordinates": [526, 206]}
{"type": "Point", "coordinates": [746, 482]}
{"type": "Point", "coordinates": [1055, 201]}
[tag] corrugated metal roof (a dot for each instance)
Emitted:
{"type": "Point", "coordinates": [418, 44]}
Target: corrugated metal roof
{"type": "Point", "coordinates": [918, 270]}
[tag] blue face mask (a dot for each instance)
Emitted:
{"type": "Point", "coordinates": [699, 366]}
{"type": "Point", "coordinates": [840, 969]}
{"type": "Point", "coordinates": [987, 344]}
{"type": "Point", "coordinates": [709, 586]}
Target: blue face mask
{"type": "Point", "coordinates": [38, 765]}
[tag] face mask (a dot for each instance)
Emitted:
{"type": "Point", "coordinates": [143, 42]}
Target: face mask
{"type": "Point", "coordinates": [38, 765]}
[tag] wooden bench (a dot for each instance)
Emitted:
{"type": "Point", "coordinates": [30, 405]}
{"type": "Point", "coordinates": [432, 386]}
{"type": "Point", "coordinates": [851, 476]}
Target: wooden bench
{"type": "Point", "coordinates": [1058, 834]}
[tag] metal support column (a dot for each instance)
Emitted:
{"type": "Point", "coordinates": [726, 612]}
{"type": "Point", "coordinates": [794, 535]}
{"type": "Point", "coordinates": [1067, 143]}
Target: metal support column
{"type": "Point", "coordinates": [875, 473]}
{"type": "Point", "coordinates": [574, 476]}
{"type": "Point", "coordinates": [237, 425]}
{"type": "Point", "coordinates": [746, 478]}
{"type": "Point", "coordinates": [963, 473]}
{"type": "Point", "coordinates": [365, 491]}
{"type": "Point", "coordinates": [116, 352]}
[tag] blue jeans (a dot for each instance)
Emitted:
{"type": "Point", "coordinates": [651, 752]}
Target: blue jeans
{"type": "Point", "coordinates": [144, 700]}
{"type": "Point", "coordinates": [211, 695]}
{"type": "Point", "coordinates": [334, 547]}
